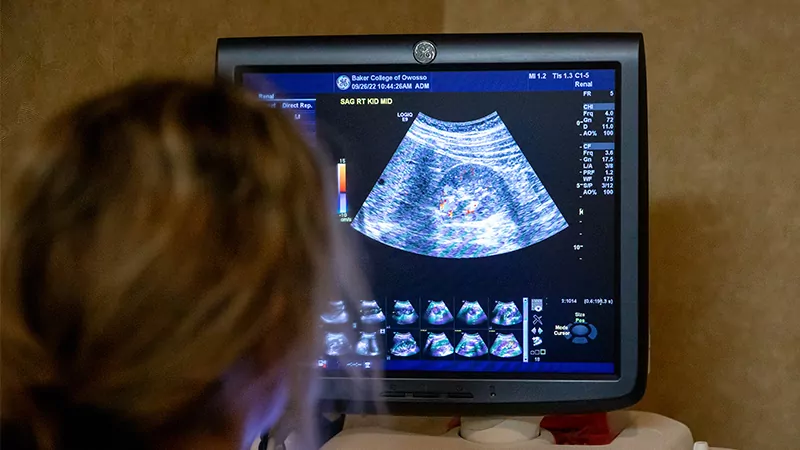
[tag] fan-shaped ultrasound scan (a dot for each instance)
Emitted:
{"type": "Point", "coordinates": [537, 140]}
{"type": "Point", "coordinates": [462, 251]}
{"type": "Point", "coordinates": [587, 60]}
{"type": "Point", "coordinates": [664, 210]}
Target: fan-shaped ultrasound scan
{"type": "Point", "coordinates": [471, 313]}
{"type": "Point", "coordinates": [506, 314]}
{"type": "Point", "coordinates": [336, 313]}
{"type": "Point", "coordinates": [438, 313]}
{"type": "Point", "coordinates": [404, 313]}
{"type": "Point", "coordinates": [404, 345]}
{"type": "Point", "coordinates": [438, 345]}
{"type": "Point", "coordinates": [459, 190]}
{"type": "Point", "coordinates": [471, 346]}
{"type": "Point", "coordinates": [371, 312]}
{"type": "Point", "coordinates": [368, 344]}
{"type": "Point", "coordinates": [506, 346]}
{"type": "Point", "coordinates": [336, 344]}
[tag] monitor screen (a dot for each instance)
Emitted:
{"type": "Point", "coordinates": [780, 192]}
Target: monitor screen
{"type": "Point", "coordinates": [496, 188]}
{"type": "Point", "coordinates": [485, 202]}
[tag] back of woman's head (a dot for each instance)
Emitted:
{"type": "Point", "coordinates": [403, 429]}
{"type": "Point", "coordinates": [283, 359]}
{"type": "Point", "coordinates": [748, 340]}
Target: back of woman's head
{"type": "Point", "coordinates": [162, 246]}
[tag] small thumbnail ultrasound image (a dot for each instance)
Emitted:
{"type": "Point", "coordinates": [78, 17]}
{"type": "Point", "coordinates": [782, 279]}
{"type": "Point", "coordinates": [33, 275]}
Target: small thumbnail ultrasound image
{"type": "Point", "coordinates": [506, 346]}
{"type": "Point", "coordinates": [335, 313]}
{"type": "Point", "coordinates": [371, 312]}
{"type": "Point", "coordinates": [459, 190]}
{"type": "Point", "coordinates": [369, 344]}
{"type": "Point", "coordinates": [438, 314]}
{"type": "Point", "coordinates": [337, 344]}
{"type": "Point", "coordinates": [439, 345]}
{"type": "Point", "coordinates": [472, 314]}
{"type": "Point", "coordinates": [405, 345]}
{"type": "Point", "coordinates": [472, 345]}
{"type": "Point", "coordinates": [506, 314]}
{"type": "Point", "coordinates": [404, 314]}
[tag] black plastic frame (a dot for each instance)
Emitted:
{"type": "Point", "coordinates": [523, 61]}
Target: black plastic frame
{"type": "Point", "coordinates": [481, 396]}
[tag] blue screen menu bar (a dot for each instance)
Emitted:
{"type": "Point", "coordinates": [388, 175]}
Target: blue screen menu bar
{"type": "Point", "coordinates": [282, 85]}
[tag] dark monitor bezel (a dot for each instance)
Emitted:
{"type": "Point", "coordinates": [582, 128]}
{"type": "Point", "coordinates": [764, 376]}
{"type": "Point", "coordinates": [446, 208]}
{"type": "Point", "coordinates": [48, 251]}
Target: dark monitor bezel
{"type": "Point", "coordinates": [462, 395]}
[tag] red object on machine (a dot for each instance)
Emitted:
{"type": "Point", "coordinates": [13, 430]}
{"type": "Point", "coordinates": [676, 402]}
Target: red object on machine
{"type": "Point", "coordinates": [455, 422]}
{"type": "Point", "coordinates": [580, 429]}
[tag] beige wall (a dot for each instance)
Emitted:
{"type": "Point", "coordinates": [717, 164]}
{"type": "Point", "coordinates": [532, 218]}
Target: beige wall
{"type": "Point", "coordinates": [54, 51]}
{"type": "Point", "coordinates": [725, 199]}
{"type": "Point", "coordinates": [725, 155]}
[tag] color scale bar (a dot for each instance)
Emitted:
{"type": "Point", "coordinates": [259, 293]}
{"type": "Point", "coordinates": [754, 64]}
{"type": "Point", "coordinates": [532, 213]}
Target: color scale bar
{"type": "Point", "coordinates": [342, 178]}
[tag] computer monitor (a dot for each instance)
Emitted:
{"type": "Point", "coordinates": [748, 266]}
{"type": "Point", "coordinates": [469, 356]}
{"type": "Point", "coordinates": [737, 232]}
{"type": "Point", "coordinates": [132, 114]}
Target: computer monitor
{"type": "Point", "coordinates": [497, 185]}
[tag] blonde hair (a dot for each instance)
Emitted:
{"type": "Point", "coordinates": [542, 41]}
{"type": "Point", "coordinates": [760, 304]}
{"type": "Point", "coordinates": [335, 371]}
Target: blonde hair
{"type": "Point", "coordinates": [157, 241]}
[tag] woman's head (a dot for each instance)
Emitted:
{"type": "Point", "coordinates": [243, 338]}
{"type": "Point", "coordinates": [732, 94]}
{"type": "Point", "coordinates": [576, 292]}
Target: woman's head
{"type": "Point", "coordinates": [162, 247]}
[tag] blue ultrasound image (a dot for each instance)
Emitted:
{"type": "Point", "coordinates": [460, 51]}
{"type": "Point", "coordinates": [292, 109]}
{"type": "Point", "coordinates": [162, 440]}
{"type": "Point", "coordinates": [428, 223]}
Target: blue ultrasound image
{"type": "Point", "coordinates": [471, 314]}
{"type": "Point", "coordinates": [471, 345]}
{"type": "Point", "coordinates": [404, 345]}
{"type": "Point", "coordinates": [404, 313]}
{"type": "Point", "coordinates": [438, 345]}
{"type": "Point", "coordinates": [336, 344]}
{"type": "Point", "coordinates": [371, 312]}
{"type": "Point", "coordinates": [459, 190]}
{"type": "Point", "coordinates": [506, 314]}
{"type": "Point", "coordinates": [368, 344]}
{"type": "Point", "coordinates": [438, 313]}
{"type": "Point", "coordinates": [336, 313]}
{"type": "Point", "coordinates": [506, 346]}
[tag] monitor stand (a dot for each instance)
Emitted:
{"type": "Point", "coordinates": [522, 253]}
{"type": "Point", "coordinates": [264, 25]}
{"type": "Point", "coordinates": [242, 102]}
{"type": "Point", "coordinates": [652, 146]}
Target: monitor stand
{"type": "Point", "coordinates": [638, 430]}
{"type": "Point", "coordinates": [499, 430]}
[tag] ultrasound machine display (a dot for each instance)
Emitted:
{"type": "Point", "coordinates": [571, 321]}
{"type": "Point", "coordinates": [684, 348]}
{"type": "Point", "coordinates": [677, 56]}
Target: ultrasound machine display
{"type": "Point", "coordinates": [485, 207]}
